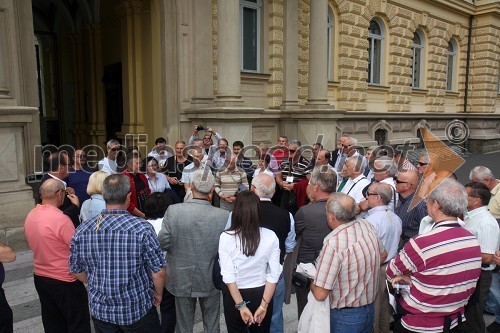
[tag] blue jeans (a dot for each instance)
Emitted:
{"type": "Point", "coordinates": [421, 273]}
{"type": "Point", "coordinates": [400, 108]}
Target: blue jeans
{"type": "Point", "coordinates": [279, 300]}
{"type": "Point", "coordinates": [352, 320]}
{"type": "Point", "coordinates": [493, 302]}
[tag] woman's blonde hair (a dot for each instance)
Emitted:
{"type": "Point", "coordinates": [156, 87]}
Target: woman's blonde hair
{"type": "Point", "coordinates": [95, 182]}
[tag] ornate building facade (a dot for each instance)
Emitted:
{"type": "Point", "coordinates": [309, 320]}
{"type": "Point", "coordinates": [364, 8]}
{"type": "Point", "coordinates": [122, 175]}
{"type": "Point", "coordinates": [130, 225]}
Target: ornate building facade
{"type": "Point", "coordinates": [82, 71]}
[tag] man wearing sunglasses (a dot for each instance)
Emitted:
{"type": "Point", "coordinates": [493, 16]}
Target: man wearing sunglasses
{"type": "Point", "coordinates": [406, 183]}
{"type": "Point", "coordinates": [108, 164]}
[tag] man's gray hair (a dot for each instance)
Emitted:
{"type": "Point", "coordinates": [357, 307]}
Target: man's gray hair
{"type": "Point", "coordinates": [481, 173]}
{"type": "Point", "coordinates": [426, 157]}
{"type": "Point", "coordinates": [389, 165]}
{"type": "Point", "coordinates": [451, 197]}
{"type": "Point", "coordinates": [325, 177]}
{"type": "Point", "coordinates": [196, 140]}
{"type": "Point", "coordinates": [295, 142]}
{"type": "Point", "coordinates": [111, 143]}
{"type": "Point", "coordinates": [352, 141]}
{"type": "Point", "coordinates": [265, 186]}
{"type": "Point", "coordinates": [342, 206]}
{"type": "Point", "coordinates": [359, 162]}
{"type": "Point", "coordinates": [115, 189]}
{"type": "Point", "coordinates": [384, 190]}
{"type": "Point", "coordinates": [203, 181]}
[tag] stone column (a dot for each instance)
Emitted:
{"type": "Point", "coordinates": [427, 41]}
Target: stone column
{"type": "Point", "coordinates": [228, 53]}
{"type": "Point", "coordinates": [318, 54]}
{"type": "Point", "coordinates": [291, 74]}
{"type": "Point", "coordinates": [203, 64]}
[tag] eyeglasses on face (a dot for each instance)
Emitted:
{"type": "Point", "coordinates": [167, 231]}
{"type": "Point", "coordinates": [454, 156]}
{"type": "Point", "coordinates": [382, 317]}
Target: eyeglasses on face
{"type": "Point", "coordinates": [114, 149]}
{"type": "Point", "coordinates": [369, 193]}
{"type": "Point", "coordinates": [422, 164]}
{"type": "Point", "coordinates": [401, 182]}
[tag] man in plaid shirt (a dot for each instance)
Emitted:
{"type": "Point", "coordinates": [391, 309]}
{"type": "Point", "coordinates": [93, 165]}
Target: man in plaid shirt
{"type": "Point", "coordinates": [120, 257]}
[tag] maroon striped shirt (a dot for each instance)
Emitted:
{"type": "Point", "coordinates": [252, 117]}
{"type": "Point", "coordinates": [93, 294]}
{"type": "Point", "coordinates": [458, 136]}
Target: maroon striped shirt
{"type": "Point", "coordinates": [444, 266]}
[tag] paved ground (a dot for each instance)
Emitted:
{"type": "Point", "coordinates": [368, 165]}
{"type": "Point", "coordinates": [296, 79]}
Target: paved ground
{"type": "Point", "coordinates": [23, 299]}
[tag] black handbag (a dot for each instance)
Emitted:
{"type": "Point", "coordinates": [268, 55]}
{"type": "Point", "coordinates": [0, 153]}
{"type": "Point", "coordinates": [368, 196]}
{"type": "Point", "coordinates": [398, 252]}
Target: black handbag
{"type": "Point", "coordinates": [300, 281]}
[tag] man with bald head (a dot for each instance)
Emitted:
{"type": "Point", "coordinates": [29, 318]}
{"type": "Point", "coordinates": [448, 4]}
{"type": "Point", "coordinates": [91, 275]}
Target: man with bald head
{"type": "Point", "coordinates": [48, 231]}
{"type": "Point", "coordinates": [348, 267]}
{"type": "Point", "coordinates": [411, 214]}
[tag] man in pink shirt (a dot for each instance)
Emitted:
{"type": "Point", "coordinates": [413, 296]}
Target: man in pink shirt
{"type": "Point", "coordinates": [48, 231]}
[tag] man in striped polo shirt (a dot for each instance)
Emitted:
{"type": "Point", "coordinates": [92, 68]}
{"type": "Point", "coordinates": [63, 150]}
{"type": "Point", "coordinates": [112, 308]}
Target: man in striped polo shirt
{"type": "Point", "coordinates": [441, 266]}
{"type": "Point", "coordinates": [348, 267]}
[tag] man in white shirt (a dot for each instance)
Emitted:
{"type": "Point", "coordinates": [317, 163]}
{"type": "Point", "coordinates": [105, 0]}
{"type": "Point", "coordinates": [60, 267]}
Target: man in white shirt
{"type": "Point", "coordinates": [187, 174]}
{"type": "Point", "coordinates": [388, 226]}
{"type": "Point", "coordinates": [384, 170]}
{"type": "Point", "coordinates": [356, 181]}
{"type": "Point", "coordinates": [108, 164]}
{"type": "Point", "coordinates": [484, 226]}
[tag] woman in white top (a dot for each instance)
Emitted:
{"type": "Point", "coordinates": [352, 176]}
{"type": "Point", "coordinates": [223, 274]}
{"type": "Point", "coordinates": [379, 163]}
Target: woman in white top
{"type": "Point", "coordinates": [93, 206]}
{"type": "Point", "coordinates": [264, 162]}
{"type": "Point", "coordinates": [250, 267]}
{"type": "Point", "coordinates": [157, 181]}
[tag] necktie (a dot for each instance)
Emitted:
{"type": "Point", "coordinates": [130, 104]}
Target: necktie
{"type": "Point", "coordinates": [342, 184]}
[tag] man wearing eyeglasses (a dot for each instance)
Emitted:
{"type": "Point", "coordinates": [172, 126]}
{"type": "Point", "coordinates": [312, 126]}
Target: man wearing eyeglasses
{"type": "Point", "coordinates": [406, 183]}
{"type": "Point", "coordinates": [108, 164]}
{"type": "Point", "coordinates": [388, 227]}
{"type": "Point", "coordinates": [57, 166]}
{"type": "Point", "coordinates": [484, 226]}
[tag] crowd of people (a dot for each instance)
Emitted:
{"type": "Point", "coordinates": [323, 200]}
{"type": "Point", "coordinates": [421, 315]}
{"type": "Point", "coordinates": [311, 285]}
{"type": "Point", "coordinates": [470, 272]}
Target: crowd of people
{"type": "Point", "coordinates": [349, 229]}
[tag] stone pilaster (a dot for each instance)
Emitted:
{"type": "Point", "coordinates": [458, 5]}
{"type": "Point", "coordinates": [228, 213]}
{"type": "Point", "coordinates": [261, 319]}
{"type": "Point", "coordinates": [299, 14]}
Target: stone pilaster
{"type": "Point", "coordinates": [318, 54]}
{"type": "Point", "coordinates": [290, 75]}
{"type": "Point", "coordinates": [228, 53]}
{"type": "Point", "coordinates": [276, 48]}
{"type": "Point", "coordinates": [203, 63]}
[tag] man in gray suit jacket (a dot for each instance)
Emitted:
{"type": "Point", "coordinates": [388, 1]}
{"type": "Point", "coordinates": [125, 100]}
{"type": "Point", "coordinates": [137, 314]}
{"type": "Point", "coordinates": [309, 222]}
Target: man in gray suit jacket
{"type": "Point", "coordinates": [190, 235]}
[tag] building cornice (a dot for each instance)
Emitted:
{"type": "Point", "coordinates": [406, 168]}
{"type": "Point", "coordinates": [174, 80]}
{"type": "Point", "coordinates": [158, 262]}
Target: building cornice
{"type": "Point", "coordinates": [459, 6]}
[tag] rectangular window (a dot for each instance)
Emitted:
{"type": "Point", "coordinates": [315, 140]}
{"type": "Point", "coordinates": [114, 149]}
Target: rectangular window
{"type": "Point", "coordinates": [250, 20]}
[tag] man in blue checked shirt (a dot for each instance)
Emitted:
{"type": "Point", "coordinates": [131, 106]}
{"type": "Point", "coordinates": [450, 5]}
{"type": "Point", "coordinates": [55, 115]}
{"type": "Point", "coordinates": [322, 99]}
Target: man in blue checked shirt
{"type": "Point", "coordinates": [120, 258]}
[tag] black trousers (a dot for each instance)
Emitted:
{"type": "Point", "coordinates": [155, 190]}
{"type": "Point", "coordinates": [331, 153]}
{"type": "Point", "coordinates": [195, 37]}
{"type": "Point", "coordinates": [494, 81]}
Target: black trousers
{"type": "Point", "coordinates": [234, 322]}
{"type": "Point", "coordinates": [149, 323]}
{"type": "Point", "coordinates": [6, 319]}
{"type": "Point", "coordinates": [167, 311]}
{"type": "Point", "coordinates": [65, 306]}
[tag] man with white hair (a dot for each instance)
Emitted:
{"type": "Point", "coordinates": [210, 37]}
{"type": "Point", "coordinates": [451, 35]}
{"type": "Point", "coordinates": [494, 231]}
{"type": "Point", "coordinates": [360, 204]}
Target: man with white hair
{"type": "Point", "coordinates": [347, 148]}
{"type": "Point", "coordinates": [281, 222]}
{"type": "Point", "coordinates": [484, 175]}
{"type": "Point", "coordinates": [356, 181]}
{"type": "Point", "coordinates": [441, 266]}
{"type": "Point", "coordinates": [384, 170]}
{"type": "Point", "coordinates": [191, 262]}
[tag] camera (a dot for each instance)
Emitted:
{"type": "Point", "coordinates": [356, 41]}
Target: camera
{"type": "Point", "coordinates": [200, 128]}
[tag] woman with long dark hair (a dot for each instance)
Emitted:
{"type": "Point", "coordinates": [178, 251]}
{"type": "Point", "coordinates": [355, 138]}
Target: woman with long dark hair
{"type": "Point", "coordinates": [250, 267]}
